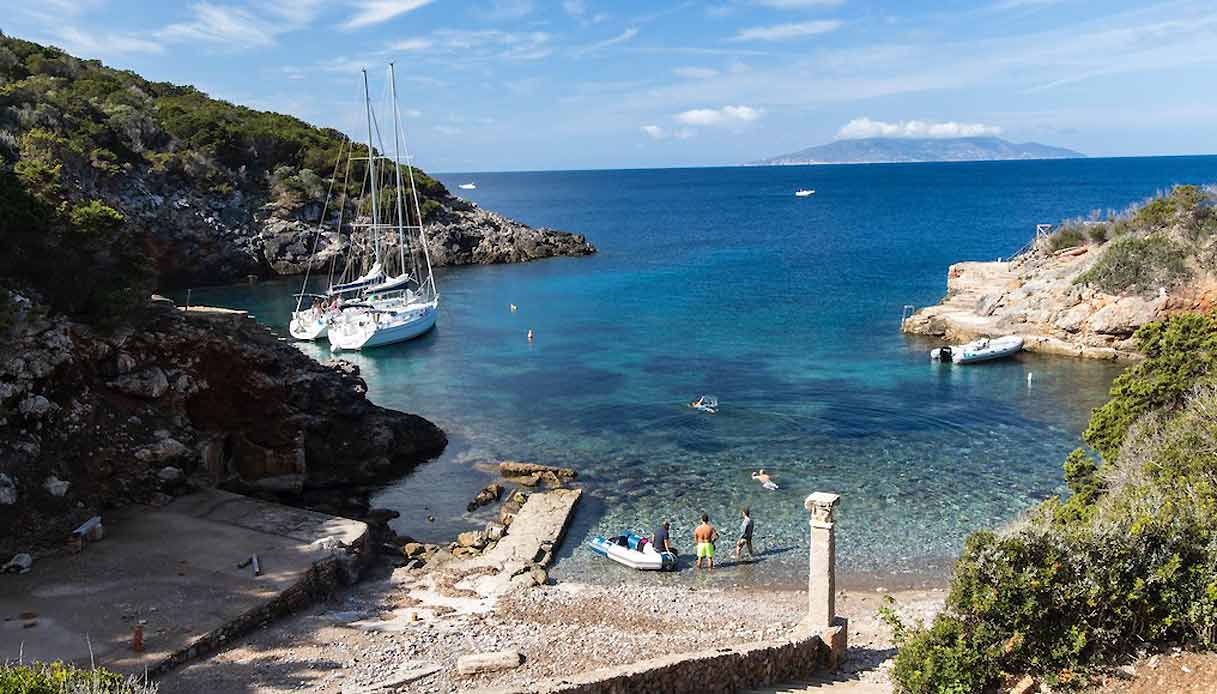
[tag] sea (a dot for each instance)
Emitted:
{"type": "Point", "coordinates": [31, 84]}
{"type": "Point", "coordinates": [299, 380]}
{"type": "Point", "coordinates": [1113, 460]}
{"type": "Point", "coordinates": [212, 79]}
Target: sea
{"type": "Point", "coordinates": [721, 281]}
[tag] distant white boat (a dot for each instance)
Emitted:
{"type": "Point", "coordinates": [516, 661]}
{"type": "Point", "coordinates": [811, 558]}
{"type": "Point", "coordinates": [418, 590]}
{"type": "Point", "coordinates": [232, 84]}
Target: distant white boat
{"type": "Point", "coordinates": [804, 193]}
{"type": "Point", "coordinates": [983, 349]}
{"type": "Point", "coordinates": [468, 186]}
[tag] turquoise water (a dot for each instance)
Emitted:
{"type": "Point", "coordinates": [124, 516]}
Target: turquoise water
{"type": "Point", "coordinates": [721, 281]}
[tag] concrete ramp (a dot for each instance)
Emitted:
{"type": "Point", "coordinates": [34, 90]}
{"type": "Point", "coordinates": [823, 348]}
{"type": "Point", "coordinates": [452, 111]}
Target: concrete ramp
{"type": "Point", "coordinates": [174, 570]}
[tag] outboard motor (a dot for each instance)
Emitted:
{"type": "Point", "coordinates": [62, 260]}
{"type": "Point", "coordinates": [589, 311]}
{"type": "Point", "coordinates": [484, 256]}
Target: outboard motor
{"type": "Point", "coordinates": [941, 354]}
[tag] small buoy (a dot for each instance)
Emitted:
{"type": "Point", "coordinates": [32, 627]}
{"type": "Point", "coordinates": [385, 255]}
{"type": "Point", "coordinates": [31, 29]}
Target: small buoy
{"type": "Point", "coordinates": [530, 334]}
{"type": "Point", "coordinates": [1029, 379]}
{"type": "Point", "coordinates": [513, 307]}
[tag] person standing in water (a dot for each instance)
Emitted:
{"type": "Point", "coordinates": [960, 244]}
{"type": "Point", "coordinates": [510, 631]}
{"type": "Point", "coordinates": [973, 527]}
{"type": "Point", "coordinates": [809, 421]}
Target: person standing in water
{"type": "Point", "coordinates": [705, 536]}
{"type": "Point", "coordinates": [745, 535]}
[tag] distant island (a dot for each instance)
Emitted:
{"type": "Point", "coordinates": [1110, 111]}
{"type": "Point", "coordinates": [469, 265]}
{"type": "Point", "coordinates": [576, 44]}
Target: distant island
{"type": "Point", "coordinates": [883, 150]}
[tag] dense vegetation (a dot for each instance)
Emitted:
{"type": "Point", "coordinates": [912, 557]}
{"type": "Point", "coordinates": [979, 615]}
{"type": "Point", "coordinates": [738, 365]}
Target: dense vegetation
{"type": "Point", "coordinates": [57, 678]}
{"type": "Point", "coordinates": [1129, 558]}
{"type": "Point", "coordinates": [76, 137]}
{"type": "Point", "coordinates": [1156, 245]}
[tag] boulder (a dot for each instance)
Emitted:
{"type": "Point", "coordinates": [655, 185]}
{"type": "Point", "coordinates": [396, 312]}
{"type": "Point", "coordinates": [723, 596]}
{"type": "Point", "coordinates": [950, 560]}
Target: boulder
{"type": "Point", "coordinates": [1122, 317]}
{"type": "Point", "coordinates": [34, 406]}
{"type": "Point", "coordinates": [495, 531]}
{"type": "Point", "coordinates": [1073, 319]}
{"type": "Point", "coordinates": [8, 490]}
{"type": "Point", "coordinates": [19, 564]}
{"type": "Point", "coordinates": [413, 549]}
{"type": "Point", "coordinates": [170, 474]}
{"type": "Point", "coordinates": [511, 468]}
{"type": "Point", "coordinates": [55, 486]}
{"type": "Point", "coordinates": [493, 661]}
{"type": "Point", "coordinates": [489, 494]}
{"type": "Point", "coordinates": [162, 450]}
{"type": "Point", "coordinates": [148, 384]}
{"type": "Point", "coordinates": [473, 538]}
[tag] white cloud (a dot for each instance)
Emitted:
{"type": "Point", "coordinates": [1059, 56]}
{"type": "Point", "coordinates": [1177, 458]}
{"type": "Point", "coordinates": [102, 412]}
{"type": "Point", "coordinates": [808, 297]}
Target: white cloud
{"type": "Point", "coordinates": [695, 73]}
{"type": "Point", "coordinates": [369, 12]}
{"type": "Point", "coordinates": [865, 127]}
{"type": "Point", "coordinates": [411, 45]}
{"type": "Point", "coordinates": [654, 132]}
{"type": "Point", "coordinates": [89, 45]}
{"type": "Point", "coordinates": [785, 32]}
{"type": "Point", "coordinates": [492, 43]}
{"type": "Point", "coordinates": [798, 4]}
{"type": "Point", "coordinates": [624, 36]}
{"type": "Point", "coordinates": [727, 115]}
{"type": "Point", "coordinates": [231, 26]}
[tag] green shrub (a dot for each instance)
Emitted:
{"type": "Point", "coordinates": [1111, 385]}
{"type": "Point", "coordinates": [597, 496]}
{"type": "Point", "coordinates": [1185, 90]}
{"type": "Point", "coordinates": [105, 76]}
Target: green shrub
{"type": "Point", "coordinates": [1098, 232]}
{"type": "Point", "coordinates": [58, 678]}
{"type": "Point", "coordinates": [1138, 264]}
{"type": "Point", "coordinates": [1129, 558]}
{"type": "Point", "coordinates": [1068, 235]}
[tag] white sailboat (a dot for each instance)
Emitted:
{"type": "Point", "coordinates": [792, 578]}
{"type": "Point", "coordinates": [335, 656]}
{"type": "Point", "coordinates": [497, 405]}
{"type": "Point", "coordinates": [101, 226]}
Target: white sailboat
{"type": "Point", "coordinates": [386, 293]}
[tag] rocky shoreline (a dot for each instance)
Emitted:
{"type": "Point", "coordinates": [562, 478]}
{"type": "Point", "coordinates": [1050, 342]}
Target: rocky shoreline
{"type": "Point", "coordinates": [1038, 297]}
{"type": "Point", "coordinates": [181, 400]}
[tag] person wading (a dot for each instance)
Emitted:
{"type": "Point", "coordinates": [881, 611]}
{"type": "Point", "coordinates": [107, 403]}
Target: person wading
{"type": "Point", "coordinates": [705, 536]}
{"type": "Point", "coordinates": [745, 535]}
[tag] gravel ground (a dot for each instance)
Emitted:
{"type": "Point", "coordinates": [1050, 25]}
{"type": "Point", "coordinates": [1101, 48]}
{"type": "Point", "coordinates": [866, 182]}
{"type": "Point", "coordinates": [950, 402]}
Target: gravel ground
{"type": "Point", "coordinates": [561, 629]}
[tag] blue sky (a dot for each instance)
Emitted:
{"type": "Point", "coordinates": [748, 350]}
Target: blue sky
{"type": "Point", "coordinates": [532, 84]}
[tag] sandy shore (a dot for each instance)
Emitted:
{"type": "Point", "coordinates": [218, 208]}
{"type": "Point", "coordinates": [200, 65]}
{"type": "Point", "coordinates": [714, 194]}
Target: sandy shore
{"type": "Point", "coordinates": [563, 628]}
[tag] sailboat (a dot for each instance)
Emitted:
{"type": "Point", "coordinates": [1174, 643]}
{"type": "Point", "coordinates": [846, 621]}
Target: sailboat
{"type": "Point", "coordinates": [386, 293]}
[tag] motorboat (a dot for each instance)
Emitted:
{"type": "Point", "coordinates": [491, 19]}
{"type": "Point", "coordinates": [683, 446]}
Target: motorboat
{"type": "Point", "coordinates": [706, 403]}
{"type": "Point", "coordinates": [633, 551]}
{"type": "Point", "coordinates": [468, 186]}
{"type": "Point", "coordinates": [804, 193]}
{"type": "Point", "coordinates": [984, 349]}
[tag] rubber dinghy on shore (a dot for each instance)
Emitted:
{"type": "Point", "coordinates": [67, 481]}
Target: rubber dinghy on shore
{"type": "Point", "coordinates": [633, 551]}
{"type": "Point", "coordinates": [984, 349]}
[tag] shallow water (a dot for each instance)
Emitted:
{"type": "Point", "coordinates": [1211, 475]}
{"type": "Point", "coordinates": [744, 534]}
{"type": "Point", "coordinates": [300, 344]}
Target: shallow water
{"type": "Point", "coordinates": [721, 281]}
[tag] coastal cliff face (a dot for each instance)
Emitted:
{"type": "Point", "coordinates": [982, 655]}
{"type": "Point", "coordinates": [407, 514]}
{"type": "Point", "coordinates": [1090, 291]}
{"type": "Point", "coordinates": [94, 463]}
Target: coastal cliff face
{"type": "Point", "coordinates": [175, 401]}
{"type": "Point", "coordinates": [1085, 289]}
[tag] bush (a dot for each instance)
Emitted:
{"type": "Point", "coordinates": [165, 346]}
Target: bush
{"type": "Point", "coordinates": [1130, 558]}
{"type": "Point", "coordinates": [1068, 235]}
{"type": "Point", "coordinates": [58, 678]}
{"type": "Point", "coordinates": [1138, 264]}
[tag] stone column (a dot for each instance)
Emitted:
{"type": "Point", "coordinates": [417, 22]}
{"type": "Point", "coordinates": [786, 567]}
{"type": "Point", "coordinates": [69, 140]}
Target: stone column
{"type": "Point", "coordinates": [822, 573]}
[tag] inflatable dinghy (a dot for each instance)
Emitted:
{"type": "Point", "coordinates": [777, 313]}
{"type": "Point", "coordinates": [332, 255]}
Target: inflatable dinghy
{"type": "Point", "coordinates": [633, 551]}
{"type": "Point", "coordinates": [984, 349]}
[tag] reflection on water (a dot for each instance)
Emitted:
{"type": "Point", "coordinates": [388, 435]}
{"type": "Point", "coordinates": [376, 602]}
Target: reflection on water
{"type": "Point", "coordinates": [714, 282]}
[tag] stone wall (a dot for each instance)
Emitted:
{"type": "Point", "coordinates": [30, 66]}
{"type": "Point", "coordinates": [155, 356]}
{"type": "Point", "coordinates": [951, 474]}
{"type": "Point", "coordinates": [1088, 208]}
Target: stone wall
{"type": "Point", "coordinates": [719, 671]}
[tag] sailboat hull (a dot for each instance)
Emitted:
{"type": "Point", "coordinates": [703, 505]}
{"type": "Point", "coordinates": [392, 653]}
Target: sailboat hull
{"type": "Point", "coordinates": [363, 332]}
{"type": "Point", "coordinates": [306, 325]}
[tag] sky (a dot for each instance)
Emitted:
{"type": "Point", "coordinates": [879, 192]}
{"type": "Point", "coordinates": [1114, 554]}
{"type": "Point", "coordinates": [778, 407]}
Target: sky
{"type": "Point", "coordinates": [506, 85]}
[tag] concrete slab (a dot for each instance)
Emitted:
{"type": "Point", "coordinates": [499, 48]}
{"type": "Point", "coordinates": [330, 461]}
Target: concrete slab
{"type": "Point", "coordinates": [175, 570]}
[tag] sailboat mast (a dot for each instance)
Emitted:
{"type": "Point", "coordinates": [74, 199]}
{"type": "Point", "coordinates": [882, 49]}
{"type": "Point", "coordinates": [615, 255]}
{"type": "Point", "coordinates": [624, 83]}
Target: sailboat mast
{"type": "Point", "coordinates": [401, 236]}
{"type": "Point", "coordinates": [418, 213]}
{"type": "Point", "coordinates": [367, 101]}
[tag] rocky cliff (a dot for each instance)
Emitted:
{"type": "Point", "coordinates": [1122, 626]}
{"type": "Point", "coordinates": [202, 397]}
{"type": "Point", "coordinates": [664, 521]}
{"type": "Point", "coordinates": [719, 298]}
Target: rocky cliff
{"type": "Point", "coordinates": [179, 400]}
{"type": "Point", "coordinates": [1084, 289]}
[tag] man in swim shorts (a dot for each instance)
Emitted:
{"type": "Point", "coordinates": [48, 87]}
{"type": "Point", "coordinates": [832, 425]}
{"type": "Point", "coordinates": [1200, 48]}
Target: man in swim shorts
{"type": "Point", "coordinates": [705, 536]}
{"type": "Point", "coordinates": [745, 535]}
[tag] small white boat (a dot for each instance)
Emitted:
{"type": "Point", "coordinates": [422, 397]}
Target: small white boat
{"type": "Point", "coordinates": [984, 349]}
{"type": "Point", "coordinates": [309, 324]}
{"type": "Point", "coordinates": [633, 551]}
{"type": "Point", "coordinates": [468, 186]}
{"type": "Point", "coordinates": [706, 403]}
{"type": "Point", "coordinates": [804, 193]}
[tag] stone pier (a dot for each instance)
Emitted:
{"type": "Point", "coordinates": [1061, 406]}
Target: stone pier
{"type": "Point", "coordinates": [822, 576]}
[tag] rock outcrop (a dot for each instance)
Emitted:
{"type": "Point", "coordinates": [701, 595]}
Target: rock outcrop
{"type": "Point", "coordinates": [182, 400]}
{"type": "Point", "coordinates": [1037, 297]}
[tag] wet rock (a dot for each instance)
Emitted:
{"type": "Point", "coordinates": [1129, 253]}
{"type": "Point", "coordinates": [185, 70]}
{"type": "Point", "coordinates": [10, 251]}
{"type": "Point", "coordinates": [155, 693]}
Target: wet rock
{"type": "Point", "coordinates": [8, 490]}
{"type": "Point", "coordinates": [511, 468]}
{"type": "Point", "coordinates": [413, 549]}
{"type": "Point", "coordinates": [19, 564]}
{"type": "Point", "coordinates": [489, 494]}
{"type": "Point", "coordinates": [34, 406]}
{"type": "Point", "coordinates": [55, 486]}
{"type": "Point", "coordinates": [170, 475]}
{"type": "Point", "coordinates": [149, 384]}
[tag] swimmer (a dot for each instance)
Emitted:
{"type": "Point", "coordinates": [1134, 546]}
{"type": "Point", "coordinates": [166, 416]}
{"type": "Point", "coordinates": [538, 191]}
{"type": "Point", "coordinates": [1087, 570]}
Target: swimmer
{"type": "Point", "coordinates": [763, 477]}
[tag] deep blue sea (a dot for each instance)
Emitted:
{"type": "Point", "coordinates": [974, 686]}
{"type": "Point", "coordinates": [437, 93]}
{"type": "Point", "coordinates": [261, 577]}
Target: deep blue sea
{"type": "Point", "coordinates": [721, 281]}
